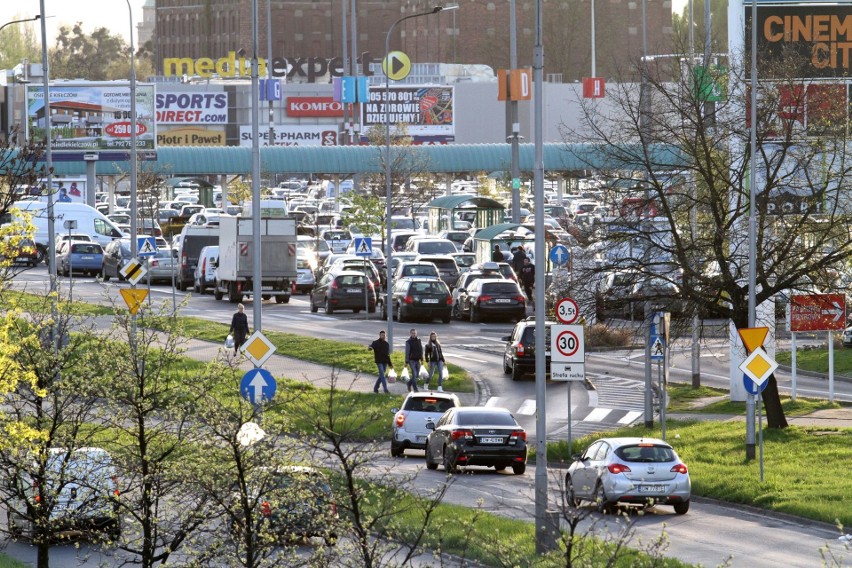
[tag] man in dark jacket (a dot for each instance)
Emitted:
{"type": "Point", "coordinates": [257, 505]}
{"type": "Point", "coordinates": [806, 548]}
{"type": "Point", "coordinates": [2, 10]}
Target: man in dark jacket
{"type": "Point", "coordinates": [518, 256]}
{"type": "Point", "coordinates": [413, 357]}
{"type": "Point", "coordinates": [497, 254]}
{"type": "Point", "coordinates": [381, 354]}
{"type": "Point", "coordinates": [527, 277]}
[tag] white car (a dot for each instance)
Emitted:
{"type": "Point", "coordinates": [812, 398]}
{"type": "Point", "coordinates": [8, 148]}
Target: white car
{"type": "Point", "coordinates": [409, 422]}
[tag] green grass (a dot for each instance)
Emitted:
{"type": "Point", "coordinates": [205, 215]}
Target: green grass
{"type": "Point", "coordinates": [36, 303]}
{"type": "Point", "coordinates": [9, 562]}
{"type": "Point", "coordinates": [816, 360]}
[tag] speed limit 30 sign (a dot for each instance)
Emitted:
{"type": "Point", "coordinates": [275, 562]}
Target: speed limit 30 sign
{"type": "Point", "coordinates": [567, 310]}
{"type": "Point", "coordinates": [566, 344]}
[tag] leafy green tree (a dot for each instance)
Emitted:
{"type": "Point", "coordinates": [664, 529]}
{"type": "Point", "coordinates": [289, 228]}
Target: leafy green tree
{"type": "Point", "coordinates": [101, 56]}
{"type": "Point", "coordinates": [367, 215]}
{"type": "Point", "coordinates": [718, 27]}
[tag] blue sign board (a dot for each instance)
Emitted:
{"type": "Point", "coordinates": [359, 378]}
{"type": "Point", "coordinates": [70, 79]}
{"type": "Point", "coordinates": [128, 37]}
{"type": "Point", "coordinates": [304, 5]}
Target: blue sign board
{"type": "Point", "coordinates": [559, 255]}
{"type": "Point", "coordinates": [349, 89]}
{"type": "Point", "coordinates": [270, 89]}
{"type": "Point", "coordinates": [146, 246]}
{"type": "Point", "coordinates": [257, 386]}
{"type": "Point", "coordinates": [658, 348]}
{"type": "Point", "coordinates": [753, 388]}
{"type": "Point", "coordinates": [364, 246]}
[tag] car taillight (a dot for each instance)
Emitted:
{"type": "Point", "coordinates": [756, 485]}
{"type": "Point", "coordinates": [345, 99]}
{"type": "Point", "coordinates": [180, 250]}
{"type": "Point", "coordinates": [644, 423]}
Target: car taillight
{"type": "Point", "coordinates": [484, 298]}
{"type": "Point", "coordinates": [519, 349]}
{"type": "Point", "coordinates": [155, 263]}
{"type": "Point", "coordinates": [520, 299]}
{"type": "Point", "coordinates": [449, 300]}
{"type": "Point", "coordinates": [617, 468]}
{"type": "Point", "coordinates": [266, 509]}
{"type": "Point", "coordinates": [334, 285]}
{"type": "Point", "coordinates": [400, 419]}
{"type": "Point", "coordinates": [183, 260]}
{"type": "Point", "coordinates": [408, 300]}
{"type": "Point", "coordinates": [680, 468]}
{"type": "Point", "coordinates": [459, 434]}
{"type": "Point", "coordinates": [517, 435]}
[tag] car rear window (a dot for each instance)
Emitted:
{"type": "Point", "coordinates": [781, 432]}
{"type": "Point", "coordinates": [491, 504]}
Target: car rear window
{"type": "Point", "coordinates": [420, 271]}
{"type": "Point", "coordinates": [429, 404]}
{"type": "Point", "coordinates": [86, 249]}
{"type": "Point", "coordinates": [444, 263]}
{"type": "Point", "coordinates": [350, 280]}
{"type": "Point", "coordinates": [436, 287]}
{"type": "Point", "coordinates": [645, 454]}
{"type": "Point", "coordinates": [485, 418]}
{"type": "Point", "coordinates": [441, 247]}
{"type": "Point", "coordinates": [465, 261]}
{"type": "Point", "coordinates": [499, 288]}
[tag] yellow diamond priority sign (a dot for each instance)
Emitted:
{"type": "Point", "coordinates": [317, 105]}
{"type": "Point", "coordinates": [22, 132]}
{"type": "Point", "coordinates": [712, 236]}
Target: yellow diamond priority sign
{"type": "Point", "coordinates": [134, 271]}
{"type": "Point", "coordinates": [257, 348]}
{"type": "Point", "coordinates": [758, 366]}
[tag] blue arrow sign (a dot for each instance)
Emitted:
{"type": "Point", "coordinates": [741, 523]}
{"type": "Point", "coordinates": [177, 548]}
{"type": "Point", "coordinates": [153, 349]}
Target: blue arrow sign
{"type": "Point", "coordinates": [258, 386]}
{"type": "Point", "coordinates": [753, 388]}
{"type": "Point", "coordinates": [364, 246]}
{"type": "Point", "coordinates": [559, 255]}
{"type": "Point", "coordinates": [147, 246]}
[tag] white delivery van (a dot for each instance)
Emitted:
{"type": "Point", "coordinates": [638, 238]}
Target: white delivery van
{"type": "Point", "coordinates": [89, 222]}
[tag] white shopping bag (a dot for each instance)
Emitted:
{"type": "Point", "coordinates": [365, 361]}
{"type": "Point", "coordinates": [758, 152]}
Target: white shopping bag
{"type": "Point", "coordinates": [424, 374]}
{"type": "Point", "coordinates": [391, 376]}
{"type": "Point", "coordinates": [404, 376]}
{"type": "Point", "coordinates": [229, 342]}
{"type": "Point", "coordinates": [445, 374]}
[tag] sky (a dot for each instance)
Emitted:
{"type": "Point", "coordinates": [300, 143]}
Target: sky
{"type": "Point", "coordinates": [110, 14]}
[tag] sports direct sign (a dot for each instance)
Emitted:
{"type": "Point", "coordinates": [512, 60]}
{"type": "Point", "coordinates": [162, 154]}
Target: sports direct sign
{"type": "Point", "coordinates": [192, 108]}
{"type": "Point", "coordinates": [313, 106]}
{"type": "Point", "coordinates": [818, 312]}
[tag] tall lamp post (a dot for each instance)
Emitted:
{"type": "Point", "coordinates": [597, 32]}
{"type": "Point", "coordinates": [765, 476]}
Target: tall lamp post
{"type": "Point", "coordinates": [389, 211]}
{"type": "Point", "coordinates": [33, 19]}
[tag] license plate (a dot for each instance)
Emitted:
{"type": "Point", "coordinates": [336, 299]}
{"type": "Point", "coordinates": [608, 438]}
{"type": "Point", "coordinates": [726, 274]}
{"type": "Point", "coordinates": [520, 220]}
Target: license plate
{"type": "Point", "coordinates": [652, 488]}
{"type": "Point", "coordinates": [87, 257]}
{"type": "Point", "coordinates": [420, 439]}
{"type": "Point", "coordinates": [491, 440]}
{"type": "Point", "coordinates": [352, 290]}
{"type": "Point", "coordinates": [430, 301]}
{"type": "Point", "coordinates": [502, 300]}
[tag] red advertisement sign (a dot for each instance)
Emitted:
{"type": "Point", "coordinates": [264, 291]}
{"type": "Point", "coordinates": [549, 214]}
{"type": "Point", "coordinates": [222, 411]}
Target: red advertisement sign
{"type": "Point", "coordinates": [314, 106]}
{"type": "Point", "coordinates": [593, 87]}
{"type": "Point", "coordinates": [818, 312]}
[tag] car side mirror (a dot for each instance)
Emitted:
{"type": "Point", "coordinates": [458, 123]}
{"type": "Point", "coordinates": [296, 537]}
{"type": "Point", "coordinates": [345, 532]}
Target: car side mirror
{"type": "Point", "coordinates": [463, 290]}
{"type": "Point", "coordinates": [430, 425]}
{"type": "Point", "coordinates": [394, 410]}
{"type": "Point", "coordinates": [174, 253]}
{"type": "Point", "coordinates": [507, 338]}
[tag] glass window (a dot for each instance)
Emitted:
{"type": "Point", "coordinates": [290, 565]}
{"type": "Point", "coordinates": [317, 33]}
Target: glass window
{"type": "Point", "coordinates": [486, 418]}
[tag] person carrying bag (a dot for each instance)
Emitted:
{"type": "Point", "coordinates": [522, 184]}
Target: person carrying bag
{"type": "Point", "coordinates": [413, 358]}
{"type": "Point", "coordinates": [381, 355]}
{"type": "Point", "coordinates": [435, 358]}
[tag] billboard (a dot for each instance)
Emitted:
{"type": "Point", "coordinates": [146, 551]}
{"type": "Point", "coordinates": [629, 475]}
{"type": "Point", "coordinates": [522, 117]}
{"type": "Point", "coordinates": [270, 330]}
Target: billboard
{"type": "Point", "coordinates": [181, 107]}
{"type": "Point", "coordinates": [293, 135]}
{"type": "Point", "coordinates": [191, 136]}
{"type": "Point", "coordinates": [421, 110]}
{"type": "Point", "coordinates": [820, 35]}
{"type": "Point", "coordinates": [313, 107]}
{"type": "Point", "coordinates": [818, 312]}
{"type": "Point", "coordinates": [92, 116]}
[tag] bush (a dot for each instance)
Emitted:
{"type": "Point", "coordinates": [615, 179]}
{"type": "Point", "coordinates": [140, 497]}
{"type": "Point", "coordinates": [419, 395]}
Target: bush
{"type": "Point", "coordinates": [600, 335]}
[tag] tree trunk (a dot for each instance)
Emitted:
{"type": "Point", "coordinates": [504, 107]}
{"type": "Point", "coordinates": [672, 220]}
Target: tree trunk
{"type": "Point", "coordinates": [772, 404]}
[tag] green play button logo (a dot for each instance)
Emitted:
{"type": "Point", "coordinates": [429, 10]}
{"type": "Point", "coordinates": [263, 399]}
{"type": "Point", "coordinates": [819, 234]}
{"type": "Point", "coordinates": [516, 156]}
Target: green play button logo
{"type": "Point", "coordinates": [396, 66]}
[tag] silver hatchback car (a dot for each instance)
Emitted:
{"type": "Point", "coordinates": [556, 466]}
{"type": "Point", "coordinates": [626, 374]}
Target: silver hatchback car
{"type": "Point", "coordinates": [409, 422]}
{"type": "Point", "coordinates": [644, 471]}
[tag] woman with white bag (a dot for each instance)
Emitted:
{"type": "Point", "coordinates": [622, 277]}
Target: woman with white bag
{"type": "Point", "coordinates": [435, 358]}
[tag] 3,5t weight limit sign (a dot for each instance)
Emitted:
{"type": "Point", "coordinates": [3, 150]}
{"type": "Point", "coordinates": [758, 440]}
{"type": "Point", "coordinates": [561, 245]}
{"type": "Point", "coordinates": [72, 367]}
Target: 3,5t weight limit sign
{"type": "Point", "coordinates": [567, 310]}
{"type": "Point", "coordinates": [566, 344]}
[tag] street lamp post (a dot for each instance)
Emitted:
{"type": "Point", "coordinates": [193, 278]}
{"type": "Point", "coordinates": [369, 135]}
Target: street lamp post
{"type": "Point", "coordinates": [389, 210]}
{"type": "Point", "coordinates": [33, 19]}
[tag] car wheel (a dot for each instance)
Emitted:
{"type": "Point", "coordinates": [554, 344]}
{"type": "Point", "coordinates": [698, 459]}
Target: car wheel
{"type": "Point", "coordinates": [429, 463]}
{"type": "Point", "coordinates": [218, 294]}
{"type": "Point", "coordinates": [499, 468]}
{"type": "Point", "coordinates": [328, 309]}
{"type": "Point", "coordinates": [449, 463]}
{"type": "Point", "coordinates": [265, 296]}
{"type": "Point", "coordinates": [282, 299]}
{"type": "Point", "coordinates": [202, 289]}
{"type": "Point", "coordinates": [516, 373]}
{"type": "Point", "coordinates": [104, 275]}
{"type": "Point", "coordinates": [506, 368]}
{"type": "Point", "coordinates": [399, 317]}
{"type": "Point", "coordinates": [456, 311]}
{"type": "Point", "coordinates": [195, 286]}
{"type": "Point", "coordinates": [371, 310]}
{"type": "Point", "coordinates": [41, 254]}
{"type": "Point", "coordinates": [573, 501]}
{"type": "Point", "coordinates": [681, 508]}
{"type": "Point", "coordinates": [314, 307]}
{"type": "Point", "coordinates": [446, 318]}
{"type": "Point", "coordinates": [600, 500]}
{"type": "Point", "coordinates": [474, 315]}
{"type": "Point", "coordinates": [397, 451]}
{"type": "Point", "coordinates": [519, 468]}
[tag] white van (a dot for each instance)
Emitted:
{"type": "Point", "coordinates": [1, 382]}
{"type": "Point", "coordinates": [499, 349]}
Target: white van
{"type": "Point", "coordinates": [89, 222]}
{"type": "Point", "coordinates": [205, 270]}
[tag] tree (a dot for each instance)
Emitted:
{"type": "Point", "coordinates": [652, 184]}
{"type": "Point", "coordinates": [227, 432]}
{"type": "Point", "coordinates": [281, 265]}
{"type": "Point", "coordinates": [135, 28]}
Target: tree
{"type": "Point", "coordinates": [100, 56]}
{"type": "Point", "coordinates": [718, 27]}
{"type": "Point", "coordinates": [20, 42]}
{"type": "Point", "coordinates": [671, 160]}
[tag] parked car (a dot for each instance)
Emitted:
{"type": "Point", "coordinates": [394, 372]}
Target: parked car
{"type": "Point", "coordinates": [662, 294]}
{"type": "Point", "coordinates": [519, 355]}
{"type": "Point", "coordinates": [20, 250]}
{"type": "Point", "coordinates": [400, 239]}
{"type": "Point", "coordinates": [205, 271]}
{"type": "Point", "coordinates": [495, 299]}
{"type": "Point", "coordinates": [458, 237]}
{"type": "Point", "coordinates": [80, 491]}
{"type": "Point", "coordinates": [417, 269]}
{"type": "Point", "coordinates": [116, 255]}
{"type": "Point", "coordinates": [79, 256]}
{"type": "Point", "coordinates": [847, 337]}
{"type": "Point", "coordinates": [477, 435]}
{"type": "Point", "coordinates": [447, 268]}
{"type": "Point", "coordinates": [161, 267]}
{"type": "Point", "coordinates": [337, 239]}
{"type": "Point", "coordinates": [503, 267]}
{"type": "Point", "coordinates": [419, 298]}
{"type": "Point", "coordinates": [464, 260]}
{"type": "Point", "coordinates": [305, 265]}
{"type": "Point", "coordinates": [486, 270]}
{"type": "Point", "coordinates": [343, 290]}
{"type": "Point", "coordinates": [62, 237]}
{"type": "Point", "coordinates": [409, 422]}
{"type": "Point", "coordinates": [612, 293]}
{"type": "Point", "coordinates": [643, 471]}
{"type": "Point", "coordinates": [430, 245]}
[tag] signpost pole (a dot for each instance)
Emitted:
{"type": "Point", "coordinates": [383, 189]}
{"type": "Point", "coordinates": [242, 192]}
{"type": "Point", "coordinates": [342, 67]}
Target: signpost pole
{"type": "Point", "coordinates": [570, 439]}
{"type": "Point", "coordinates": [760, 433]}
{"type": "Point", "coordinates": [366, 289]}
{"type": "Point", "coordinates": [830, 367]}
{"type": "Point", "coordinates": [793, 364]}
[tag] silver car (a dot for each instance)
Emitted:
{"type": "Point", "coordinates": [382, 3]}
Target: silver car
{"type": "Point", "coordinates": [409, 422]}
{"type": "Point", "coordinates": [161, 267]}
{"type": "Point", "coordinates": [643, 471]}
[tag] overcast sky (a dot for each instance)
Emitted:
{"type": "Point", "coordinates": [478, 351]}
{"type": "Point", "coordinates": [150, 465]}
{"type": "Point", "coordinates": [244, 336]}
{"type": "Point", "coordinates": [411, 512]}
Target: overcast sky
{"type": "Point", "coordinates": [111, 14]}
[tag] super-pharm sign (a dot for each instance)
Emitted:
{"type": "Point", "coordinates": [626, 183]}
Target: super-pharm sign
{"type": "Point", "coordinates": [821, 35]}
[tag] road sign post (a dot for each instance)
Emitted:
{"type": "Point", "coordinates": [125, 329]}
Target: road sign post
{"type": "Point", "coordinates": [559, 255]}
{"type": "Point", "coordinates": [364, 249]}
{"type": "Point", "coordinates": [258, 386]}
{"type": "Point", "coordinates": [567, 311]}
{"type": "Point", "coordinates": [567, 360]}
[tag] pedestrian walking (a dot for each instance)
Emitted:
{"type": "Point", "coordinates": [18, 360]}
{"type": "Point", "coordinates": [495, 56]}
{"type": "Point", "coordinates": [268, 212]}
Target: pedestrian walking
{"type": "Point", "coordinates": [497, 254]}
{"type": "Point", "coordinates": [518, 256]}
{"type": "Point", "coordinates": [239, 327]}
{"type": "Point", "coordinates": [381, 355]}
{"type": "Point", "coordinates": [527, 277]}
{"type": "Point", "coordinates": [435, 357]}
{"type": "Point", "coordinates": [413, 358]}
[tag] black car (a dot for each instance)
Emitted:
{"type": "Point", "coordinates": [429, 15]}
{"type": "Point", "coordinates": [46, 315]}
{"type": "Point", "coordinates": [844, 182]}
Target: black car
{"type": "Point", "coordinates": [344, 290]}
{"type": "Point", "coordinates": [496, 299]}
{"type": "Point", "coordinates": [477, 435]}
{"type": "Point", "coordinates": [487, 270]}
{"type": "Point", "coordinates": [519, 356]}
{"type": "Point", "coordinates": [116, 255]}
{"type": "Point", "coordinates": [420, 298]}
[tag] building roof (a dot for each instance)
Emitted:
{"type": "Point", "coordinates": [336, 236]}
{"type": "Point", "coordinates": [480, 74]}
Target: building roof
{"type": "Point", "coordinates": [473, 201]}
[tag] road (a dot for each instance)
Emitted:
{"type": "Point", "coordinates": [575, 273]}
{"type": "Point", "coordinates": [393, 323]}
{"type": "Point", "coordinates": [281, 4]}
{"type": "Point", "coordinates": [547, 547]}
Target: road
{"type": "Point", "coordinates": [709, 534]}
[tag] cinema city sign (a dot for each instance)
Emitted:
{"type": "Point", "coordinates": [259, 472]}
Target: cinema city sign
{"type": "Point", "coordinates": [234, 66]}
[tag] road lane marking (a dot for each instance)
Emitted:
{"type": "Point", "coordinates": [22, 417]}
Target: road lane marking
{"type": "Point", "coordinates": [597, 415]}
{"type": "Point", "coordinates": [527, 408]}
{"type": "Point", "coordinates": [630, 417]}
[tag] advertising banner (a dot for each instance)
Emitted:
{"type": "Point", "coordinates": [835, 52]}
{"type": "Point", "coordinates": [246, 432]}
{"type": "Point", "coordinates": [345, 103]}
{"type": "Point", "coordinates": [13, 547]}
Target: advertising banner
{"type": "Point", "coordinates": [191, 136]}
{"type": "Point", "coordinates": [421, 110]}
{"type": "Point", "coordinates": [313, 107]}
{"type": "Point", "coordinates": [65, 189]}
{"type": "Point", "coordinates": [192, 108]}
{"type": "Point", "coordinates": [91, 117]}
{"type": "Point", "coordinates": [293, 135]}
{"type": "Point", "coordinates": [819, 35]}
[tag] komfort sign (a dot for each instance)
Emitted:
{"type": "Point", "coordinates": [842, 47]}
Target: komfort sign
{"type": "Point", "coordinates": [313, 106]}
{"type": "Point", "coordinates": [295, 69]}
{"type": "Point", "coordinates": [820, 34]}
{"type": "Point", "coordinates": [818, 312]}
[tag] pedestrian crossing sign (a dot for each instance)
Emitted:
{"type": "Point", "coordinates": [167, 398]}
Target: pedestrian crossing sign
{"type": "Point", "coordinates": [363, 246]}
{"type": "Point", "coordinates": [147, 246]}
{"type": "Point", "coordinates": [658, 348]}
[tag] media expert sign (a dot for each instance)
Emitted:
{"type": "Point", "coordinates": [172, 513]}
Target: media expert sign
{"type": "Point", "coordinates": [820, 34]}
{"type": "Point", "coordinates": [92, 116]}
{"type": "Point", "coordinates": [175, 107]}
{"type": "Point", "coordinates": [191, 136]}
{"type": "Point", "coordinates": [818, 312]}
{"type": "Point", "coordinates": [423, 111]}
{"type": "Point", "coordinates": [293, 135]}
{"type": "Point", "coordinates": [313, 107]}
